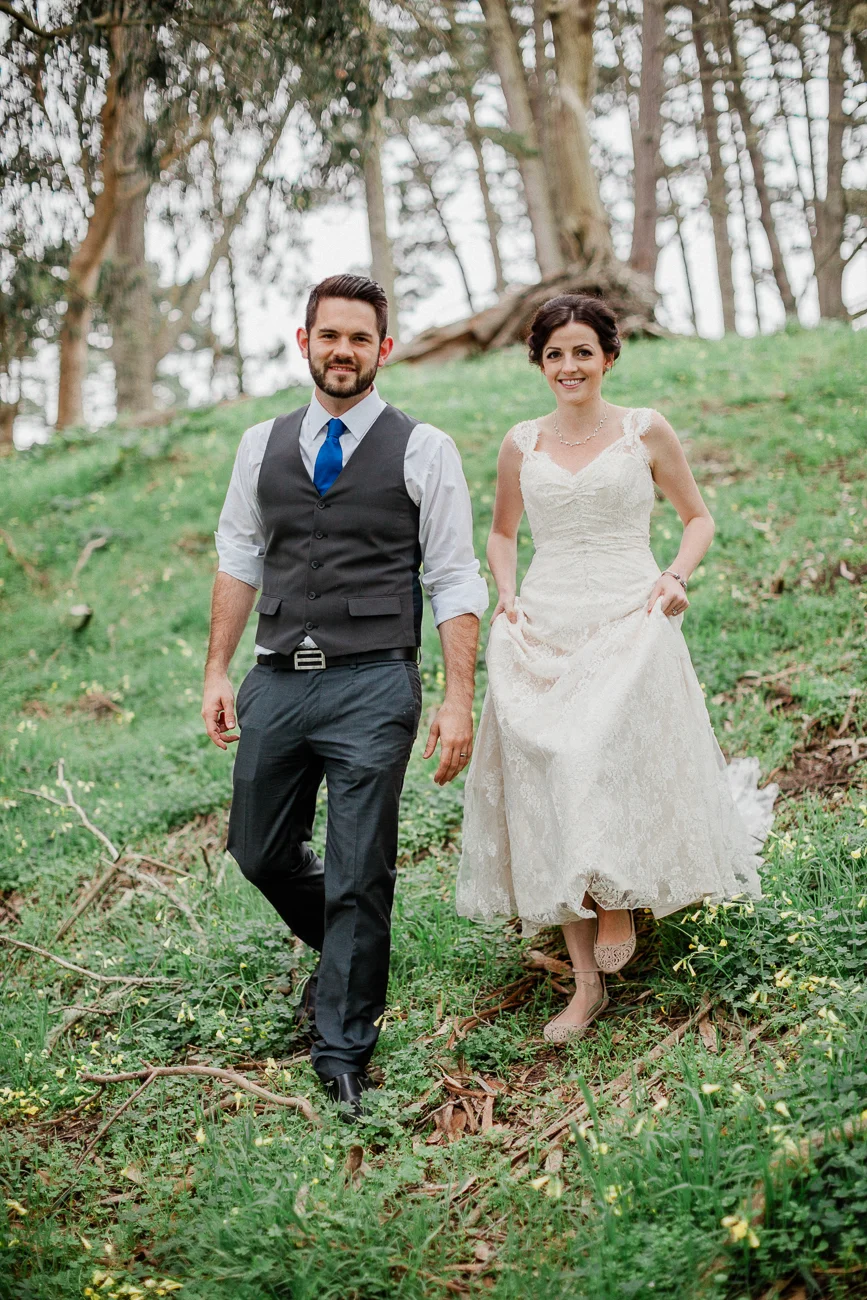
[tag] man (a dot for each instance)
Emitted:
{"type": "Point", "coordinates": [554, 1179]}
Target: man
{"type": "Point", "coordinates": [332, 510]}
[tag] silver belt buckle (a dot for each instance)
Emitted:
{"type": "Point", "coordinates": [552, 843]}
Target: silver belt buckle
{"type": "Point", "coordinates": [307, 659]}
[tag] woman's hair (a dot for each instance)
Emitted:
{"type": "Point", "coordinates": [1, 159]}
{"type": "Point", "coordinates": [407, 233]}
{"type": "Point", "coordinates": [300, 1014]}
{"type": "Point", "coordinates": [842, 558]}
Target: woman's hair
{"type": "Point", "coordinates": [565, 309]}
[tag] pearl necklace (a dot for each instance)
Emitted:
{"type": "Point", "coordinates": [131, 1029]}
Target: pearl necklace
{"type": "Point", "coordinates": [580, 441]}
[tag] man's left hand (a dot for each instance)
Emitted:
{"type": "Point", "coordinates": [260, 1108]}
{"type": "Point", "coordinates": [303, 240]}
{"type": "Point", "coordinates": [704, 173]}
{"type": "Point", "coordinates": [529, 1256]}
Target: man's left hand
{"type": "Point", "coordinates": [453, 728]}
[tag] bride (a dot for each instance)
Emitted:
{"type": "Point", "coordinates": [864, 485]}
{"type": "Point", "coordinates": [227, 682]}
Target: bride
{"type": "Point", "coordinates": [597, 785]}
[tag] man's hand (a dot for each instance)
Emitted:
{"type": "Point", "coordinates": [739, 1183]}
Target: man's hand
{"type": "Point", "coordinates": [218, 709]}
{"type": "Point", "coordinates": [453, 728]}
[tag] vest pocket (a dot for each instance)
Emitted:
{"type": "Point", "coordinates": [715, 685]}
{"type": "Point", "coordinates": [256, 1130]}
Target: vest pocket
{"type": "Point", "coordinates": [268, 604]}
{"type": "Point", "coordinates": [373, 606]}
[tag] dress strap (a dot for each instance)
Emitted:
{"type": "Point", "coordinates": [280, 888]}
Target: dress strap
{"type": "Point", "coordinates": [525, 436]}
{"type": "Point", "coordinates": [635, 425]}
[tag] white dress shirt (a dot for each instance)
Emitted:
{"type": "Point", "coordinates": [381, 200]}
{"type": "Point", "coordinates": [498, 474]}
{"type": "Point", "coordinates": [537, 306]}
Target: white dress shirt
{"type": "Point", "coordinates": [434, 481]}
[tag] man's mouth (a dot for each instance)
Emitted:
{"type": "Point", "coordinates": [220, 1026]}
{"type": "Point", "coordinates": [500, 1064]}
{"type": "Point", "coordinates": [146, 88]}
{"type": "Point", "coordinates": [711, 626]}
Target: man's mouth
{"type": "Point", "coordinates": [343, 370]}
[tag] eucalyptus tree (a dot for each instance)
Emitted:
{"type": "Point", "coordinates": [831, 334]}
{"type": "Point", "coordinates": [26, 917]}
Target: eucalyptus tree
{"type": "Point", "coordinates": [105, 98]}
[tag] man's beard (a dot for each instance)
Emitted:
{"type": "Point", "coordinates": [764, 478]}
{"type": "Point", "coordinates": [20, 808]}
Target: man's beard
{"type": "Point", "coordinates": [361, 380]}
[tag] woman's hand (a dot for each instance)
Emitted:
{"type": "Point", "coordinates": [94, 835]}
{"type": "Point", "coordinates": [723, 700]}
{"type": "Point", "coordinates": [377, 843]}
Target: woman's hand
{"type": "Point", "coordinates": [674, 599]}
{"type": "Point", "coordinates": [506, 605]}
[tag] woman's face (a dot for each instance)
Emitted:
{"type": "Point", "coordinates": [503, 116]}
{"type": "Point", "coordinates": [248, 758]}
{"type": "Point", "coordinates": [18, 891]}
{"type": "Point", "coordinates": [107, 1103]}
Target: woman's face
{"type": "Point", "coordinates": [573, 363]}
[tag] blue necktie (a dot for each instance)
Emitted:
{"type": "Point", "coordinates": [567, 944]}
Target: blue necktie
{"type": "Point", "coordinates": [329, 462]}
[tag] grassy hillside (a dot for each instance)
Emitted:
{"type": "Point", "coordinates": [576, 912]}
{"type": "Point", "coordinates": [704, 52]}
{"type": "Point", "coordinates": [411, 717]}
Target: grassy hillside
{"type": "Point", "coordinates": [681, 1172]}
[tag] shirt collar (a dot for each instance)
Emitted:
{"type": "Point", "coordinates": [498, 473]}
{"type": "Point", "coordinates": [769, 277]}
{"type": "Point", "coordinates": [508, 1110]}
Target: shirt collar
{"type": "Point", "coordinates": [357, 419]}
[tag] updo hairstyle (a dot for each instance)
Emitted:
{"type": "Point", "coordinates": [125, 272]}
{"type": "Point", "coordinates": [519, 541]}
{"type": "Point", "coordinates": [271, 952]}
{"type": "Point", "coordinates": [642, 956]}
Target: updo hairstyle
{"type": "Point", "coordinates": [565, 309]}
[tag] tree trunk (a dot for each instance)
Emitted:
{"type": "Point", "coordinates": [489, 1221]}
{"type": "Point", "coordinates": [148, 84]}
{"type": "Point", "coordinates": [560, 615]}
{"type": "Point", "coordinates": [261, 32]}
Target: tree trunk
{"type": "Point", "coordinates": [831, 211]}
{"type": "Point", "coordinates": [492, 216]}
{"type": "Point", "coordinates": [132, 308]}
{"type": "Point", "coordinates": [8, 412]}
{"type": "Point", "coordinates": [87, 260]}
{"type": "Point", "coordinates": [757, 164]}
{"type": "Point", "coordinates": [381, 256]}
{"type": "Point", "coordinates": [580, 16]}
{"type": "Point", "coordinates": [507, 61]}
{"type": "Point", "coordinates": [584, 229]}
{"type": "Point", "coordinates": [678, 227]}
{"type": "Point", "coordinates": [236, 321]}
{"type": "Point", "coordinates": [647, 162]}
{"type": "Point", "coordinates": [716, 184]}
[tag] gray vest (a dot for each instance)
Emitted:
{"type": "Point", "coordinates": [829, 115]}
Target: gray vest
{"type": "Point", "coordinates": [341, 568]}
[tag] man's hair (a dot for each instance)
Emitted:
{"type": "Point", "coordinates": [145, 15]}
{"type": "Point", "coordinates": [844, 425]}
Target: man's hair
{"type": "Point", "coordinates": [358, 287]}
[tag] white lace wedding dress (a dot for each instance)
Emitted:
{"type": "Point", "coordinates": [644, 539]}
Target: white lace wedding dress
{"type": "Point", "coordinates": [596, 769]}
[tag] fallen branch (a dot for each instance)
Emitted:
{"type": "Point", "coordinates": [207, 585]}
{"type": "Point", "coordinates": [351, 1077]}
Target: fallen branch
{"type": "Point", "coordinates": [73, 1014]}
{"type": "Point", "coordinates": [81, 970]}
{"type": "Point", "coordinates": [95, 544]}
{"type": "Point", "coordinates": [90, 896]}
{"type": "Point", "coordinates": [114, 853]}
{"type": "Point", "coordinates": [157, 862]}
{"type": "Point", "coordinates": [581, 1110]}
{"type": "Point", "coordinates": [151, 882]}
{"type": "Point", "coordinates": [208, 1072]}
{"type": "Point", "coordinates": [58, 1200]}
{"type": "Point", "coordinates": [34, 574]}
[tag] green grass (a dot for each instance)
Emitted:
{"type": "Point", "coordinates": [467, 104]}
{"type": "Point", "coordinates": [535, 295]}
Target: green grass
{"type": "Point", "coordinates": [628, 1203]}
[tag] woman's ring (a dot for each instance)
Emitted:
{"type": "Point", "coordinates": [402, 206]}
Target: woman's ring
{"type": "Point", "coordinates": [463, 755]}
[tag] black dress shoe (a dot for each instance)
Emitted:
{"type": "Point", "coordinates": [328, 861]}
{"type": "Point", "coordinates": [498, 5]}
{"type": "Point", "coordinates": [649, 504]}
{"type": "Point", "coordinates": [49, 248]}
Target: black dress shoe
{"type": "Point", "coordinates": [347, 1091]}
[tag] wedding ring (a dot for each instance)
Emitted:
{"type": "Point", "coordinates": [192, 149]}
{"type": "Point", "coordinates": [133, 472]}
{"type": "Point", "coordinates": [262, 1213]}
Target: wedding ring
{"type": "Point", "coordinates": [463, 755]}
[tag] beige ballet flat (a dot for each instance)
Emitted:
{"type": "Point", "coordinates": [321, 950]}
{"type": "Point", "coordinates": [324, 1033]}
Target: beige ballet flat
{"type": "Point", "coordinates": [557, 1033]}
{"type": "Point", "coordinates": [612, 957]}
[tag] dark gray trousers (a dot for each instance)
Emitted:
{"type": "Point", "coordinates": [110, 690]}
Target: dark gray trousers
{"type": "Point", "coordinates": [355, 726]}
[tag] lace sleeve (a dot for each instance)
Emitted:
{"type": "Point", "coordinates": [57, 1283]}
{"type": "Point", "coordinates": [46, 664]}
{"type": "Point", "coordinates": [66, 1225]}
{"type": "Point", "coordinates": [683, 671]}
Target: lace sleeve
{"type": "Point", "coordinates": [635, 426]}
{"type": "Point", "coordinates": [525, 436]}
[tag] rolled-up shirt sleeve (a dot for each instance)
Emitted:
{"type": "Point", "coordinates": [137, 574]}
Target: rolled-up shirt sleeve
{"type": "Point", "coordinates": [240, 535]}
{"type": "Point", "coordinates": [435, 480]}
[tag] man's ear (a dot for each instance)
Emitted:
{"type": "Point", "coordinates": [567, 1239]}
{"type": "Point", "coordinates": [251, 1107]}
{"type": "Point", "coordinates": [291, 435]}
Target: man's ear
{"type": "Point", "coordinates": [303, 341]}
{"type": "Point", "coordinates": [385, 348]}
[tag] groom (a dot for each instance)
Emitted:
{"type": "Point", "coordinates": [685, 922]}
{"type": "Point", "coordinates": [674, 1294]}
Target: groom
{"type": "Point", "coordinates": [340, 512]}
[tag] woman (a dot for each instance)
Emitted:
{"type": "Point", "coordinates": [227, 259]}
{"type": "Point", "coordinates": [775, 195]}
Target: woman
{"type": "Point", "coordinates": [596, 785]}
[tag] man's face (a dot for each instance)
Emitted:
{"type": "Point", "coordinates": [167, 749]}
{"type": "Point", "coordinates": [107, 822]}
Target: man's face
{"type": "Point", "coordinates": [343, 349]}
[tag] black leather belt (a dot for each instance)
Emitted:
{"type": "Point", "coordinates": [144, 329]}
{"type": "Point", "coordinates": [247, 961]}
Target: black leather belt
{"type": "Point", "coordinates": [307, 659]}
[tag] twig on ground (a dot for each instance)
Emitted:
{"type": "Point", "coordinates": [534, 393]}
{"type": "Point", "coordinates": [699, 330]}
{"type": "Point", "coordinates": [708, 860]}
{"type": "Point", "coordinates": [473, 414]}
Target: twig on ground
{"type": "Point", "coordinates": [58, 1200]}
{"type": "Point", "coordinates": [221, 874]}
{"type": "Point", "coordinates": [73, 1014]}
{"type": "Point", "coordinates": [95, 544]}
{"type": "Point", "coordinates": [90, 896]}
{"type": "Point", "coordinates": [114, 852]}
{"type": "Point", "coordinates": [34, 574]}
{"type": "Point", "coordinates": [209, 1072]}
{"type": "Point", "coordinates": [157, 862]}
{"type": "Point", "coordinates": [151, 882]}
{"type": "Point", "coordinates": [81, 970]}
{"type": "Point", "coordinates": [616, 1086]}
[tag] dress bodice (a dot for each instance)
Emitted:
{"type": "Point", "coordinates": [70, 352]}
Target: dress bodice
{"type": "Point", "coordinates": [603, 507]}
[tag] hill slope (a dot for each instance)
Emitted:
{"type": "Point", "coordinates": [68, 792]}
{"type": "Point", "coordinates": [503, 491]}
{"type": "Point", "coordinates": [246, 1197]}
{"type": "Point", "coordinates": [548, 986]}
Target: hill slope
{"type": "Point", "coordinates": [247, 1205]}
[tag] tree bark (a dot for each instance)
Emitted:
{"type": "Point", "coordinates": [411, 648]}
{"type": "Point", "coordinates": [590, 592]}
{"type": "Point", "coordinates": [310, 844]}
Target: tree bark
{"type": "Point", "coordinates": [584, 229]}
{"type": "Point", "coordinates": [647, 161]}
{"type": "Point", "coordinates": [831, 210]}
{"type": "Point", "coordinates": [716, 184]}
{"type": "Point", "coordinates": [757, 164]}
{"type": "Point", "coordinates": [132, 309]}
{"type": "Point", "coordinates": [492, 216]}
{"type": "Point", "coordinates": [8, 412]}
{"type": "Point", "coordinates": [381, 255]}
{"type": "Point", "coordinates": [507, 61]}
{"type": "Point", "coordinates": [87, 260]}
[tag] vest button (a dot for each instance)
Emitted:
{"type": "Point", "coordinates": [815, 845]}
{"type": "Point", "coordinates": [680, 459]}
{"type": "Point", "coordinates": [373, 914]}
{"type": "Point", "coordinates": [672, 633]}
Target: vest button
{"type": "Point", "coordinates": [320, 505]}
{"type": "Point", "coordinates": [314, 564]}
{"type": "Point", "coordinates": [319, 536]}
{"type": "Point", "coordinates": [311, 595]}
{"type": "Point", "coordinates": [308, 627]}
